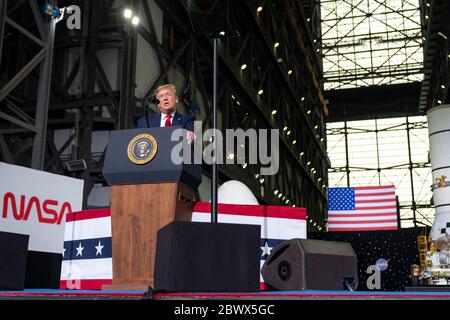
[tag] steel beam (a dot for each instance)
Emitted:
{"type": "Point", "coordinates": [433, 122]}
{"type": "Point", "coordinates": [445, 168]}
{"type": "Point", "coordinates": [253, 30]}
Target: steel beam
{"type": "Point", "coordinates": [39, 143]}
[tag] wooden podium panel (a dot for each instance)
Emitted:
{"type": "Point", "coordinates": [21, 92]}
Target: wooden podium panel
{"type": "Point", "coordinates": [137, 213]}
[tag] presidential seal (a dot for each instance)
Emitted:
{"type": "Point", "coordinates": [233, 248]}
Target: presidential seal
{"type": "Point", "coordinates": [142, 148]}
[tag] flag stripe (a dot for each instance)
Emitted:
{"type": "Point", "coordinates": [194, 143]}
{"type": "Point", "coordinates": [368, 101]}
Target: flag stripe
{"type": "Point", "coordinates": [365, 225]}
{"type": "Point", "coordinates": [379, 202]}
{"type": "Point", "coordinates": [372, 218]}
{"type": "Point", "coordinates": [363, 211]}
{"type": "Point", "coordinates": [85, 229]}
{"type": "Point", "coordinates": [381, 195]}
{"type": "Point", "coordinates": [377, 207]}
{"type": "Point", "coordinates": [374, 188]}
{"type": "Point", "coordinates": [86, 269]}
{"type": "Point", "coordinates": [85, 284]}
{"type": "Point", "coordinates": [362, 228]}
{"type": "Point", "coordinates": [359, 215]}
{"type": "Point", "coordinates": [279, 228]}
{"type": "Point", "coordinates": [367, 221]}
{"type": "Point", "coordinates": [89, 249]}
{"type": "Point", "coordinates": [88, 214]}
{"type": "Point", "coordinates": [254, 210]}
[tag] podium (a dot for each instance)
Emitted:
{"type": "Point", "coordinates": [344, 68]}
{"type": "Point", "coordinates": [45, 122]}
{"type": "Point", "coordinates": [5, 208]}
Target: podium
{"type": "Point", "coordinates": [148, 190]}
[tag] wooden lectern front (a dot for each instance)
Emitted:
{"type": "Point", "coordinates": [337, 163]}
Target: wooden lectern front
{"type": "Point", "coordinates": [144, 198]}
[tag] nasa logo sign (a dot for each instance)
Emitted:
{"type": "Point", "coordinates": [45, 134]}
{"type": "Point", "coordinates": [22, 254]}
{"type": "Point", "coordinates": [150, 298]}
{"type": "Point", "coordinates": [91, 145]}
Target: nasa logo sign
{"type": "Point", "coordinates": [36, 203]}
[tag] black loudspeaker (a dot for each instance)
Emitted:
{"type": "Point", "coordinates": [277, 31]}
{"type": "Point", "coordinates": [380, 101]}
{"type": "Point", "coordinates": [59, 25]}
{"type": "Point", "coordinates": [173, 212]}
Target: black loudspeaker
{"type": "Point", "coordinates": [13, 260]}
{"type": "Point", "coordinates": [303, 264]}
{"type": "Point", "coordinates": [43, 270]}
{"type": "Point", "coordinates": [206, 257]}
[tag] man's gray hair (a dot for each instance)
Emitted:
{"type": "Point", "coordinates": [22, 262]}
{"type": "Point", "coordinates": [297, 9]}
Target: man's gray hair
{"type": "Point", "coordinates": [166, 86]}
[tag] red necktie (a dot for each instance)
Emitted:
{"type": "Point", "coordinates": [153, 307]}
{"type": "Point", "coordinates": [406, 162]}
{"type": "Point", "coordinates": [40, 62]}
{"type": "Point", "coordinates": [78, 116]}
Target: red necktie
{"type": "Point", "coordinates": [168, 123]}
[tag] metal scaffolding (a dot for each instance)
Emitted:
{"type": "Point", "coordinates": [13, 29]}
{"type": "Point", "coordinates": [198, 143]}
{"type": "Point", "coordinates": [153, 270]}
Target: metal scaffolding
{"type": "Point", "coordinates": [368, 43]}
{"type": "Point", "coordinates": [270, 77]}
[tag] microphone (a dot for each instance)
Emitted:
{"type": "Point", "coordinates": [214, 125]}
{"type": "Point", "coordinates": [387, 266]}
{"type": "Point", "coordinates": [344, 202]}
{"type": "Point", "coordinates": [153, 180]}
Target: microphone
{"type": "Point", "coordinates": [153, 99]}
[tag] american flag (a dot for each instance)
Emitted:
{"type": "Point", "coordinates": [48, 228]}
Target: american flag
{"type": "Point", "coordinates": [362, 209]}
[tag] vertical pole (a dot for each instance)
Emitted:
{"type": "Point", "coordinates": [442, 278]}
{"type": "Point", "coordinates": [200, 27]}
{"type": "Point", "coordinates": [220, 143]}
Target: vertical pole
{"type": "Point", "coordinates": [411, 174]}
{"type": "Point", "coordinates": [214, 127]}
{"type": "Point", "coordinates": [347, 159]}
{"type": "Point", "coordinates": [3, 5]}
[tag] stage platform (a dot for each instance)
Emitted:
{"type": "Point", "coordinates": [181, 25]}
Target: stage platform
{"type": "Point", "coordinates": [42, 294]}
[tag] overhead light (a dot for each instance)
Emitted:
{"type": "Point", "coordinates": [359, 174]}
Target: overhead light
{"type": "Point", "coordinates": [222, 33]}
{"type": "Point", "coordinates": [275, 192]}
{"type": "Point", "coordinates": [294, 142]}
{"type": "Point", "coordinates": [439, 101]}
{"type": "Point", "coordinates": [303, 99]}
{"type": "Point", "coordinates": [308, 112]}
{"type": "Point", "coordinates": [261, 91]}
{"type": "Point", "coordinates": [288, 133]}
{"type": "Point", "coordinates": [135, 21]}
{"type": "Point", "coordinates": [302, 154]}
{"type": "Point", "coordinates": [442, 87]}
{"type": "Point", "coordinates": [276, 44]}
{"type": "Point", "coordinates": [259, 9]}
{"type": "Point", "coordinates": [243, 67]}
{"type": "Point", "coordinates": [76, 165]}
{"type": "Point", "coordinates": [285, 128]}
{"type": "Point", "coordinates": [244, 166]}
{"type": "Point", "coordinates": [308, 20]}
{"type": "Point", "coordinates": [256, 176]}
{"type": "Point", "coordinates": [233, 97]}
{"type": "Point", "coordinates": [308, 163]}
{"type": "Point", "coordinates": [127, 13]}
{"type": "Point", "coordinates": [290, 72]}
{"type": "Point", "coordinates": [316, 126]}
{"type": "Point", "coordinates": [274, 112]}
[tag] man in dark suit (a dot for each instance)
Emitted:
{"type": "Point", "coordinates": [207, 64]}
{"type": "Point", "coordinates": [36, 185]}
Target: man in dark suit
{"type": "Point", "coordinates": [168, 116]}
